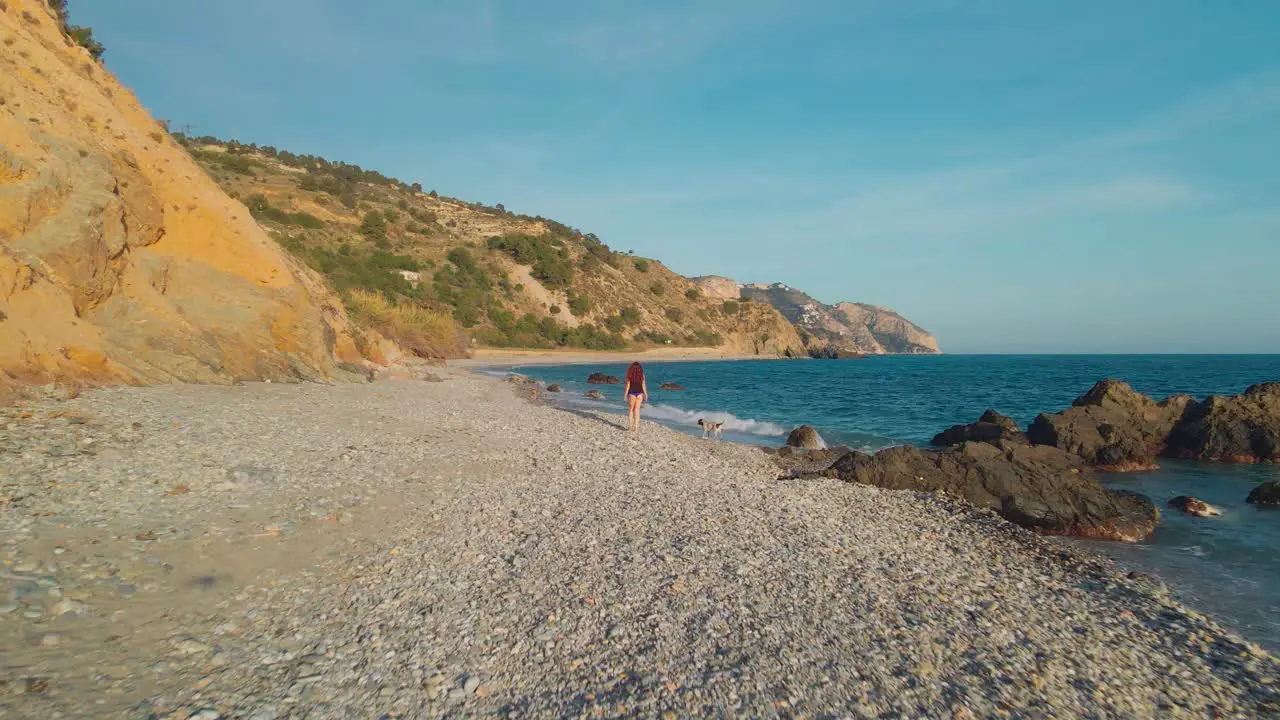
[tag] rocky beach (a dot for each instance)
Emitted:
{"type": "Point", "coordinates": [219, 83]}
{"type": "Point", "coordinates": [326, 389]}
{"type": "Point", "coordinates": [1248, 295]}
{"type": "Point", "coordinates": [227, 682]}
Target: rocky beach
{"type": "Point", "coordinates": [425, 549]}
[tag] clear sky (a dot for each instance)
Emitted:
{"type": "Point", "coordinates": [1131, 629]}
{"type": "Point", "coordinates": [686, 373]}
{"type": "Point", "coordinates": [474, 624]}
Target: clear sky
{"type": "Point", "coordinates": [1014, 175]}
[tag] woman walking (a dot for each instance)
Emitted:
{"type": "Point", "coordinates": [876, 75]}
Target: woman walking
{"type": "Point", "coordinates": [636, 393]}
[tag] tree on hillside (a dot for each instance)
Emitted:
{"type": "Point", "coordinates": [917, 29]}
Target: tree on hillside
{"type": "Point", "coordinates": [374, 226]}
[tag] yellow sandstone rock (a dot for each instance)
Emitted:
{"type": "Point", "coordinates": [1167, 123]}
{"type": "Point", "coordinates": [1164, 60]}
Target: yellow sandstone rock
{"type": "Point", "coordinates": [120, 260]}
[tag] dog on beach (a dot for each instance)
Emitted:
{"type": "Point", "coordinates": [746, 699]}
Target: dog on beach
{"type": "Point", "coordinates": [710, 428]}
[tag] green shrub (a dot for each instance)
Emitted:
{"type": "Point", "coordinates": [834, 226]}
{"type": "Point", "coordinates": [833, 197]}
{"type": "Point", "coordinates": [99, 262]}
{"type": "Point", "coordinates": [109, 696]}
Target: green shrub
{"type": "Point", "coordinates": [550, 264]}
{"type": "Point", "coordinates": [657, 288]}
{"type": "Point", "coordinates": [630, 316]}
{"type": "Point", "coordinates": [403, 204]}
{"type": "Point", "coordinates": [675, 314]}
{"type": "Point", "coordinates": [656, 338]}
{"type": "Point", "coordinates": [374, 226]}
{"type": "Point", "coordinates": [730, 307]}
{"type": "Point", "coordinates": [579, 305]}
{"type": "Point", "coordinates": [391, 215]}
{"type": "Point", "coordinates": [692, 293]}
{"type": "Point", "coordinates": [641, 264]}
{"type": "Point", "coordinates": [614, 323]}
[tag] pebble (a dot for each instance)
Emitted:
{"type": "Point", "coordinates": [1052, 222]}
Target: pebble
{"type": "Point", "coordinates": [51, 640]}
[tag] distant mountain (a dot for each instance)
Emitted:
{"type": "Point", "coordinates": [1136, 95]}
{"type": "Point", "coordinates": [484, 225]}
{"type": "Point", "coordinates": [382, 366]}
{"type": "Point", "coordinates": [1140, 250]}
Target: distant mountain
{"type": "Point", "coordinates": [850, 327]}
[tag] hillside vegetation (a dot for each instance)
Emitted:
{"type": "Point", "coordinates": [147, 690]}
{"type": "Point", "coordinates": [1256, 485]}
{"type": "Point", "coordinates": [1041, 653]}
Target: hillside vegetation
{"type": "Point", "coordinates": [506, 280]}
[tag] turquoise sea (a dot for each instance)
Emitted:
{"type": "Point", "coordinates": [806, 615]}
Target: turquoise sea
{"type": "Point", "coordinates": [1228, 567]}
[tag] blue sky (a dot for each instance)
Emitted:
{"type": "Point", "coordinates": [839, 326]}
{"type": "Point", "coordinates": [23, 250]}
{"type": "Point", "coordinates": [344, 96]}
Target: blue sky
{"type": "Point", "coordinates": [1015, 176]}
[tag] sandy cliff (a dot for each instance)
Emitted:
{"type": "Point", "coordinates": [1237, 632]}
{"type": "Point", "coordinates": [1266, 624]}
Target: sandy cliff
{"type": "Point", "coordinates": [849, 327]}
{"type": "Point", "coordinates": [120, 260]}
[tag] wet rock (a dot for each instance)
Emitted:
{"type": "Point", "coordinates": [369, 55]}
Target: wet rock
{"type": "Point", "coordinates": [1112, 426]}
{"type": "Point", "coordinates": [1193, 506]}
{"type": "Point", "coordinates": [594, 395]}
{"type": "Point", "coordinates": [553, 387]}
{"type": "Point", "coordinates": [68, 607]}
{"type": "Point", "coordinates": [990, 428]}
{"type": "Point", "coordinates": [1042, 488]}
{"type": "Point", "coordinates": [1268, 493]}
{"type": "Point", "coordinates": [1240, 429]}
{"type": "Point", "coordinates": [602, 379]}
{"type": "Point", "coordinates": [807, 438]}
{"type": "Point", "coordinates": [670, 386]}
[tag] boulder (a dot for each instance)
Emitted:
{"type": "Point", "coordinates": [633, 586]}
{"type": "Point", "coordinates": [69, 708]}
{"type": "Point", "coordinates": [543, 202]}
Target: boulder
{"type": "Point", "coordinates": [1112, 426]}
{"type": "Point", "coordinates": [1268, 493]}
{"type": "Point", "coordinates": [1193, 506]}
{"type": "Point", "coordinates": [1240, 429]}
{"type": "Point", "coordinates": [807, 438]}
{"type": "Point", "coordinates": [670, 386]}
{"type": "Point", "coordinates": [1042, 488]}
{"type": "Point", "coordinates": [992, 427]}
{"type": "Point", "coordinates": [553, 387]}
{"type": "Point", "coordinates": [595, 395]}
{"type": "Point", "coordinates": [602, 379]}
{"type": "Point", "coordinates": [796, 462]}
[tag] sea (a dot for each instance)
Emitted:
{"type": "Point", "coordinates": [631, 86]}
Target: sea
{"type": "Point", "coordinates": [1227, 567]}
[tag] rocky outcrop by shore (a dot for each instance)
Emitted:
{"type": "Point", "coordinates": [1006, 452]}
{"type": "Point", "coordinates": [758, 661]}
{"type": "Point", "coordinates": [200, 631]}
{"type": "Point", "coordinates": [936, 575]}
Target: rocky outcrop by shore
{"type": "Point", "coordinates": [1240, 429]}
{"type": "Point", "coordinates": [603, 379]}
{"type": "Point", "coordinates": [1041, 488]}
{"type": "Point", "coordinates": [1117, 428]}
{"type": "Point", "coordinates": [1268, 493]}
{"type": "Point", "coordinates": [1112, 426]}
{"type": "Point", "coordinates": [991, 427]}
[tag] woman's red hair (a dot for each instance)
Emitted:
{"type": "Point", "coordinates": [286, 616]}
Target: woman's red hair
{"type": "Point", "coordinates": [635, 376]}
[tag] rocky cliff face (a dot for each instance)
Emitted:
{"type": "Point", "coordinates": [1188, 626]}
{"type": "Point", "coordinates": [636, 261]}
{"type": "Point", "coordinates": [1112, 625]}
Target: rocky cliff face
{"type": "Point", "coordinates": [120, 260]}
{"type": "Point", "coordinates": [715, 287]}
{"type": "Point", "coordinates": [852, 327]}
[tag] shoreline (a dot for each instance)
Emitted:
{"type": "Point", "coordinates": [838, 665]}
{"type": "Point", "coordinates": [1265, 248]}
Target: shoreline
{"type": "Point", "coordinates": [428, 548]}
{"type": "Point", "coordinates": [498, 357]}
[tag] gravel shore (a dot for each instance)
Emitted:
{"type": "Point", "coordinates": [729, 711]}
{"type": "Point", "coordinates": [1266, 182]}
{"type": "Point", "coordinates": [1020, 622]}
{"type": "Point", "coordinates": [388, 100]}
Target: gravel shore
{"type": "Point", "coordinates": [429, 549]}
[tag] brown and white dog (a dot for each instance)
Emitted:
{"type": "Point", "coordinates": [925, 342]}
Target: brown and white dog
{"type": "Point", "coordinates": [712, 428]}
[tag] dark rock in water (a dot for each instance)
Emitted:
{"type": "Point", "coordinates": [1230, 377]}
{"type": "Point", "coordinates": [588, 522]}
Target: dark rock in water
{"type": "Point", "coordinates": [807, 438]}
{"type": "Point", "coordinates": [595, 394]}
{"type": "Point", "coordinates": [992, 427]}
{"type": "Point", "coordinates": [1112, 426]}
{"type": "Point", "coordinates": [1042, 488]}
{"type": "Point", "coordinates": [831, 352]}
{"type": "Point", "coordinates": [602, 379]}
{"type": "Point", "coordinates": [553, 387]}
{"type": "Point", "coordinates": [1193, 506]}
{"type": "Point", "coordinates": [670, 386]}
{"type": "Point", "coordinates": [1268, 493]}
{"type": "Point", "coordinates": [1240, 429]}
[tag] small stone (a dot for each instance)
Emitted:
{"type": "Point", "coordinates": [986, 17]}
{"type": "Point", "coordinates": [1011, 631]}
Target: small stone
{"type": "Point", "coordinates": [471, 685]}
{"type": "Point", "coordinates": [188, 645]}
{"type": "Point", "coordinates": [32, 614]}
{"type": "Point", "coordinates": [69, 607]}
{"type": "Point", "coordinates": [51, 640]}
{"type": "Point", "coordinates": [127, 590]}
{"type": "Point", "coordinates": [206, 714]}
{"type": "Point", "coordinates": [8, 608]}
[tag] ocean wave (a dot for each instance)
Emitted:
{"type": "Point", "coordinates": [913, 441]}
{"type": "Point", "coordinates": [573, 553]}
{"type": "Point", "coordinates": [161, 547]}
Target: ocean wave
{"type": "Point", "coordinates": [731, 422]}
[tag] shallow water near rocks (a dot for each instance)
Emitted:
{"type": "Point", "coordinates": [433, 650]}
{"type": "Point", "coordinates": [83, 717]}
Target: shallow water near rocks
{"type": "Point", "coordinates": [1226, 566]}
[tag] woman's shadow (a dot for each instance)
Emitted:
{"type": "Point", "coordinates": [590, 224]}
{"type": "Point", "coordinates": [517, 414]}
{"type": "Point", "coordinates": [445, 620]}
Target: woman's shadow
{"type": "Point", "coordinates": [593, 416]}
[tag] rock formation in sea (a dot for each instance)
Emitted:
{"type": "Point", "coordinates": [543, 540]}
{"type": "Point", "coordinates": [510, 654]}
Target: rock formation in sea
{"type": "Point", "coordinates": [594, 395]}
{"type": "Point", "coordinates": [120, 260]}
{"type": "Point", "coordinates": [807, 438]}
{"type": "Point", "coordinates": [1112, 426]}
{"type": "Point", "coordinates": [1038, 487]}
{"type": "Point", "coordinates": [849, 327]}
{"type": "Point", "coordinates": [1193, 506]}
{"type": "Point", "coordinates": [1240, 429]}
{"type": "Point", "coordinates": [602, 379]}
{"type": "Point", "coordinates": [1268, 493]}
{"type": "Point", "coordinates": [992, 427]}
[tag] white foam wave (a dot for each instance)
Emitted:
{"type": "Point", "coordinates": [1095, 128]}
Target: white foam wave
{"type": "Point", "coordinates": [731, 422]}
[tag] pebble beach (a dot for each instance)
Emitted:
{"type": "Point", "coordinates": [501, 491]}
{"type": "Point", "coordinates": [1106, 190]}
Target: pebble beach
{"type": "Point", "coordinates": [453, 549]}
